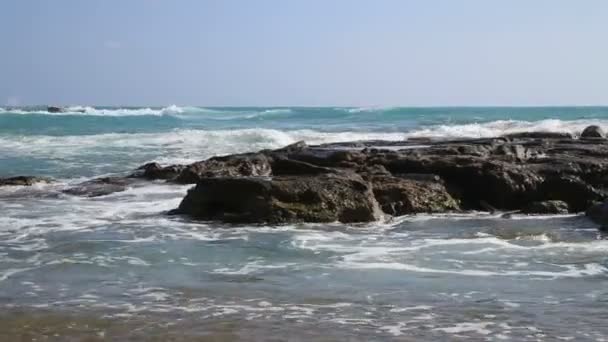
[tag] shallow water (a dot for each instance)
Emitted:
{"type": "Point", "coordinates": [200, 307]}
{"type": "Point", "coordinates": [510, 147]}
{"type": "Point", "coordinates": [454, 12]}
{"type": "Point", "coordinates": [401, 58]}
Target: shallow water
{"type": "Point", "coordinates": [115, 267]}
{"type": "Point", "coordinates": [117, 257]}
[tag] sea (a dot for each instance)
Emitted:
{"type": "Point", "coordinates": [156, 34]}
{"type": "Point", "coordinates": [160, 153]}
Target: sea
{"type": "Point", "coordinates": [117, 268]}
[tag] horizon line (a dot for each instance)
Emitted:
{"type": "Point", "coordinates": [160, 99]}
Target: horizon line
{"type": "Point", "coordinates": [313, 106]}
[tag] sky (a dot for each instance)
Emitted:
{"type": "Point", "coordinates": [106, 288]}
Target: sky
{"type": "Point", "coordinates": [304, 52]}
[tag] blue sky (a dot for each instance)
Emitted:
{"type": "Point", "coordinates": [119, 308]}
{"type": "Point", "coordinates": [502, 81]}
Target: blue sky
{"type": "Point", "coordinates": [304, 52]}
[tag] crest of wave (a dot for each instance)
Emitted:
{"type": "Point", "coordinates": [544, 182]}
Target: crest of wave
{"type": "Point", "coordinates": [177, 146]}
{"type": "Point", "coordinates": [173, 109]}
{"type": "Point", "coordinates": [502, 127]}
{"type": "Point", "coordinates": [87, 110]}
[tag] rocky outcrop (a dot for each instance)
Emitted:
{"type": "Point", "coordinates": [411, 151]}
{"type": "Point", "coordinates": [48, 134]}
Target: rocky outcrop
{"type": "Point", "coordinates": [242, 165]}
{"type": "Point", "coordinates": [535, 172]}
{"type": "Point", "coordinates": [23, 180]}
{"type": "Point", "coordinates": [322, 198]}
{"type": "Point", "coordinates": [239, 165]}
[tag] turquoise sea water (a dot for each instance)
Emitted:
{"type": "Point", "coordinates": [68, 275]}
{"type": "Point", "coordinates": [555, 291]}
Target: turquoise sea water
{"type": "Point", "coordinates": [119, 259]}
{"type": "Point", "coordinates": [103, 140]}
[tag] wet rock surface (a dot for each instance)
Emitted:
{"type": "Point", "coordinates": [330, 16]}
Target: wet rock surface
{"type": "Point", "coordinates": [547, 207]}
{"type": "Point", "coordinates": [283, 199]}
{"type": "Point", "coordinates": [532, 172]}
{"type": "Point", "coordinates": [23, 180]}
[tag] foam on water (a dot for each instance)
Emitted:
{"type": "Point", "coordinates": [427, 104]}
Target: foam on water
{"type": "Point", "coordinates": [457, 275]}
{"type": "Point", "coordinates": [91, 111]}
{"type": "Point", "coordinates": [178, 146]}
{"type": "Point", "coordinates": [502, 127]}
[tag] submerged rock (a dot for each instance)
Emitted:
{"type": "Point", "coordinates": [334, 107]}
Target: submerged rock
{"type": "Point", "coordinates": [99, 187]}
{"type": "Point", "coordinates": [23, 180]}
{"type": "Point", "coordinates": [323, 198]}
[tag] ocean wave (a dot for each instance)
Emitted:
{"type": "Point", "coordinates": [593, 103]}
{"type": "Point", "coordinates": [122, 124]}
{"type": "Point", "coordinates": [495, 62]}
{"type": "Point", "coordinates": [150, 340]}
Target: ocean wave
{"type": "Point", "coordinates": [502, 127]}
{"type": "Point", "coordinates": [177, 146]}
{"type": "Point", "coordinates": [372, 109]}
{"type": "Point", "coordinates": [568, 271]}
{"type": "Point", "coordinates": [189, 145]}
{"type": "Point", "coordinates": [184, 112]}
{"type": "Point", "coordinates": [92, 111]}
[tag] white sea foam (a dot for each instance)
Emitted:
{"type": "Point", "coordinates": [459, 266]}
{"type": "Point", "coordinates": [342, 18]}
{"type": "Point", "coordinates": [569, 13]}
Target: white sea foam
{"type": "Point", "coordinates": [252, 267]}
{"type": "Point", "coordinates": [502, 127]}
{"type": "Point", "coordinates": [188, 145]}
{"type": "Point", "coordinates": [477, 327]}
{"type": "Point", "coordinates": [369, 109]}
{"type": "Point", "coordinates": [569, 271]}
{"type": "Point", "coordinates": [88, 110]}
{"type": "Point", "coordinates": [179, 146]}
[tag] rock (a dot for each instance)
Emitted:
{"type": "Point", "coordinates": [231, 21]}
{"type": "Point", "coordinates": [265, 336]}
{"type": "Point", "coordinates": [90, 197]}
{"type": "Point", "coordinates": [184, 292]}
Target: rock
{"type": "Point", "coordinates": [240, 165]}
{"type": "Point", "coordinates": [593, 131]}
{"type": "Point", "coordinates": [369, 171]}
{"type": "Point", "coordinates": [152, 171]}
{"type": "Point", "coordinates": [283, 166]}
{"type": "Point", "coordinates": [99, 187]}
{"type": "Point", "coordinates": [400, 196]}
{"type": "Point", "coordinates": [285, 199]}
{"type": "Point", "coordinates": [53, 109]}
{"type": "Point", "coordinates": [505, 174]}
{"type": "Point", "coordinates": [539, 135]}
{"type": "Point", "coordinates": [23, 180]}
{"type": "Point", "coordinates": [573, 190]}
{"type": "Point", "coordinates": [472, 179]}
{"type": "Point", "coordinates": [598, 213]}
{"type": "Point", "coordinates": [295, 147]}
{"type": "Point", "coordinates": [547, 207]}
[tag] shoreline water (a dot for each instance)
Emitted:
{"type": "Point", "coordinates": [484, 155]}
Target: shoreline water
{"type": "Point", "coordinates": [115, 266]}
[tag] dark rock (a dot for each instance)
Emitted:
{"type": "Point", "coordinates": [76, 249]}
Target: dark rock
{"type": "Point", "coordinates": [598, 213]}
{"type": "Point", "coordinates": [23, 180]}
{"type": "Point", "coordinates": [99, 187]}
{"type": "Point", "coordinates": [577, 193]}
{"type": "Point", "coordinates": [506, 174]}
{"type": "Point", "coordinates": [240, 165]}
{"type": "Point", "coordinates": [53, 109]}
{"type": "Point", "coordinates": [539, 135]}
{"type": "Point", "coordinates": [474, 178]}
{"type": "Point", "coordinates": [152, 171]}
{"type": "Point", "coordinates": [295, 147]}
{"type": "Point", "coordinates": [547, 207]}
{"type": "Point", "coordinates": [284, 199]}
{"type": "Point", "coordinates": [593, 131]}
{"type": "Point", "coordinates": [400, 196]}
{"type": "Point", "coordinates": [368, 172]}
{"type": "Point", "coordinates": [283, 166]}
